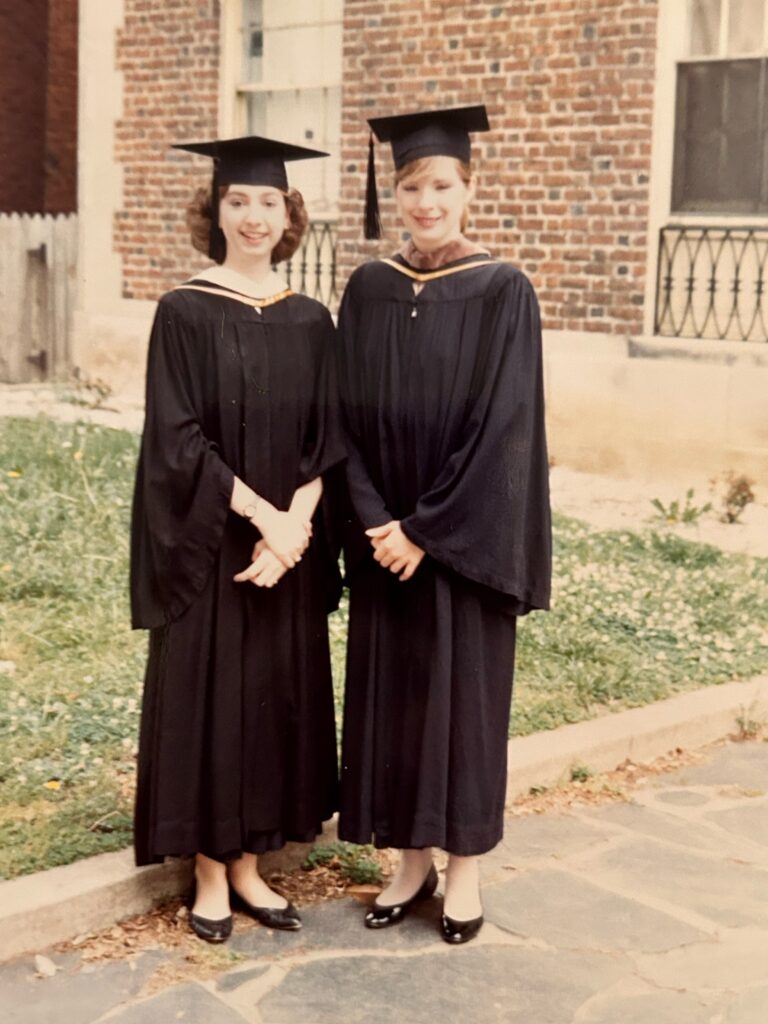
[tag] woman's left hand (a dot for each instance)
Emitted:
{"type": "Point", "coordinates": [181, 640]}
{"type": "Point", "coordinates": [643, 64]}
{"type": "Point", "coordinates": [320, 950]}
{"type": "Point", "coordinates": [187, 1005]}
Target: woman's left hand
{"type": "Point", "coordinates": [393, 551]}
{"type": "Point", "coordinates": [265, 570]}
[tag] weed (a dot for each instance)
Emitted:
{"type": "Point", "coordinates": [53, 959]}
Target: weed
{"type": "Point", "coordinates": [580, 773]}
{"type": "Point", "coordinates": [750, 727]}
{"type": "Point", "coordinates": [354, 862]}
{"type": "Point", "coordinates": [679, 551]}
{"type": "Point", "coordinates": [681, 511]}
{"type": "Point", "coordinates": [90, 393]}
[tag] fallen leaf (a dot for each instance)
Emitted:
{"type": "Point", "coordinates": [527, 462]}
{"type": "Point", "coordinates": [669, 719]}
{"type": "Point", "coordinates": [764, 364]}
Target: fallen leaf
{"type": "Point", "coordinates": [364, 893]}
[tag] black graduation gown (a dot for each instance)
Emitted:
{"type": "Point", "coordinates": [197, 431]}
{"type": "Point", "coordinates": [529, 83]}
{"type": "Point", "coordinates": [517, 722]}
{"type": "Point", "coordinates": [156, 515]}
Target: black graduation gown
{"type": "Point", "coordinates": [442, 401]}
{"type": "Point", "coordinates": [237, 747]}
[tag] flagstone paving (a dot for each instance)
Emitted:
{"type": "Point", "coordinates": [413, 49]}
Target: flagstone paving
{"type": "Point", "coordinates": [650, 912]}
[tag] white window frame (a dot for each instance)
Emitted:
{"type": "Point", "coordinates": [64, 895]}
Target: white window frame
{"type": "Point", "coordinates": [233, 90]}
{"type": "Point", "coordinates": [673, 35]}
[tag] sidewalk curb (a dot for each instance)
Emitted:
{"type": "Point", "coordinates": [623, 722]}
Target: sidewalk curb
{"type": "Point", "coordinates": [40, 910]}
{"type": "Point", "coordinates": [640, 734]}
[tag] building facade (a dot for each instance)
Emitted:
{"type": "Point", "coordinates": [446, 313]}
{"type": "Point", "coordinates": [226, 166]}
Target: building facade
{"type": "Point", "coordinates": [38, 99]}
{"type": "Point", "coordinates": [623, 174]}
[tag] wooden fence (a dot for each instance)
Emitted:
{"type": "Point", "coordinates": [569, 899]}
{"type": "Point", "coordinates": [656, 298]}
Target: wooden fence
{"type": "Point", "coordinates": [37, 295]}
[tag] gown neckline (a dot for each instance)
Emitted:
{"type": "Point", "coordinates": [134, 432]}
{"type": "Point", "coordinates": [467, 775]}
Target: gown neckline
{"type": "Point", "coordinates": [420, 278]}
{"type": "Point", "coordinates": [213, 288]}
{"type": "Point", "coordinates": [474, 257]}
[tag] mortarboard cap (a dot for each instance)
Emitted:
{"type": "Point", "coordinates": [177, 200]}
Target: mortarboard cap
{"type": "Point", "coordinates": [414, 136]}
{"type": "Point", "coordinates": [249, 160]}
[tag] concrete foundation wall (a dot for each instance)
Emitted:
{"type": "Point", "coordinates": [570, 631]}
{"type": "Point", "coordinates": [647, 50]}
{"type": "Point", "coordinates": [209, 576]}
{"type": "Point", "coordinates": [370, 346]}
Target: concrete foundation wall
{"type": "Point", "coordinates": [113, 346]}
{"type": "Point", "coordinates": [653, 409]}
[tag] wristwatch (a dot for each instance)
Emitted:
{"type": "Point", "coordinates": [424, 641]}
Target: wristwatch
{"type": "Point", "coordinates": [250, 509]}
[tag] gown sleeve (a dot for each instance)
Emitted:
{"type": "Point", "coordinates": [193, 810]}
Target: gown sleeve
{"type": "Point", "coordinates": [323, 454]}
{"type": "Point", "coordinates": [183, 488]}
{"type": "Point", "coordinates": [368, 505]}
{"type": "Point", "coordinates": [323, 446]}
{"type": "Point", "coordinates": [486, 515]}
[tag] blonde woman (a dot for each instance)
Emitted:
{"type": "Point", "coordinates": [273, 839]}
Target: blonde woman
{"type": "Point", "coordinates": [441, 387]}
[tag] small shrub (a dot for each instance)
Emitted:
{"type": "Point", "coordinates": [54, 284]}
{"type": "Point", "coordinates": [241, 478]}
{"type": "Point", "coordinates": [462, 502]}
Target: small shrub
{"type": "Point", "coordinates": [737, 493]}
{"type": "Point", "coordinates": [681, 511]}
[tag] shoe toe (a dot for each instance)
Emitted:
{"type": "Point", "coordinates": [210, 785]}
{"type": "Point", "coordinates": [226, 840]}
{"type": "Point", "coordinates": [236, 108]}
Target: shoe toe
{"type": "Point", "coordinates": [285, 919]}
{"type": "Point", "coordinates": [211, 931]}
{"type": "Point", "coordinates": [458, 932]}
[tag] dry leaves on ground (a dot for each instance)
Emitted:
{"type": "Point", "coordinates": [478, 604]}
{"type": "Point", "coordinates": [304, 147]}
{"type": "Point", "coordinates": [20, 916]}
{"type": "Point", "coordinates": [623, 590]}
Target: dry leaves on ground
{"type": "Point", "coordinates": [608, 787]}
{"type": "Point", "coordinates": [166, 927]}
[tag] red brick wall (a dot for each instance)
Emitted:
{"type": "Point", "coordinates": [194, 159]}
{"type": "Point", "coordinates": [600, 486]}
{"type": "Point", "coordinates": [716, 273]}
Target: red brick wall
{"type": "Point", "coordinates": [168, 51]}
{"type": "Point", "coordinates": [564, 176]}
{"type": "Point", "coordinates": [61, 108]}
{"type": "Point", "coordinates": [23, 51]}
{"type": "Point", "coordinates": [38, 101]}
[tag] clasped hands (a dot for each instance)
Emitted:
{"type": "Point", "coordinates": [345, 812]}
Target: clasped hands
{"type": "Point", "coordinates": [284, 539]}
{"type": "Point", "coordinates": [394, 551]}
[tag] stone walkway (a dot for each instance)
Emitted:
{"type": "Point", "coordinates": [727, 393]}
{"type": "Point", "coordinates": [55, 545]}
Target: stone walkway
{"type": "Point", "coordinates": [652, 912]}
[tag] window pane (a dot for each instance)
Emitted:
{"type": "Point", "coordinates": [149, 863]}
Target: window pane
{"type": "Point", "coordinates": [253, 40]}
{"type": "Point", "coordinates": [310, 117]}
{"type": "Point", "coordinates": [256, 106]}
{"type": "Point", "coordinates": [705, 89]}
{"type": "Point", "coordinates": [741, 155]}
{"type": "Point", "coordinates": [717, 136]}
{"type": "Point", "coordinates": [745, 26]}
{"type": "Point", "coordinates": [705, 27]}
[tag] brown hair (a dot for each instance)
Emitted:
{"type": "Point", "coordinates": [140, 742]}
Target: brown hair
{"type": "Point", "coordinates": [418, 166]}
{"type": "Point", "coordinates": [199, 223]}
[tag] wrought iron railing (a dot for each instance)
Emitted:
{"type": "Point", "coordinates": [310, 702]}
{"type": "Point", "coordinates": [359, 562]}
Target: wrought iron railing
{"type": "Point", "coordinates": [312, 268]}
{"type": "Point", "coordinates": [711, 283]}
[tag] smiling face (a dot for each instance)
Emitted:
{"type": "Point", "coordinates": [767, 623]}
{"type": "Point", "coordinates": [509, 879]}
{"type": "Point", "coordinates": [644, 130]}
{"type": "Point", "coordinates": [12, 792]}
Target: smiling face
{"type": "Point", "coordinates": [431, 201]}
{"type": "Point", "coordinates": [253, 219]}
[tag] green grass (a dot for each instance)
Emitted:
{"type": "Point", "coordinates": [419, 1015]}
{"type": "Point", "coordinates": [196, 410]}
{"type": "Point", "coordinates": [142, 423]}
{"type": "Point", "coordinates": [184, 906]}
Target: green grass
{"type": "Point", "coordinates": [637, 617]}
{"type": "Point", "coordinates": [69, 712]}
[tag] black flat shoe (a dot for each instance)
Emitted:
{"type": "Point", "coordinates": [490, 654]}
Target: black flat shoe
{"type": "Point", "coordinates": [383, 917]}
{"type": "Point", "coordinates": [211, 931]}
{"type": "Point", "coordinates": [285, 919]}
{"type": "Point", "coordinates": [457, 932]}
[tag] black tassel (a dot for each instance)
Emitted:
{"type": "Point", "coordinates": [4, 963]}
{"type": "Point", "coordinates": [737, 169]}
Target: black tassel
{"type": "Point", "coordinates": [372, 220]}
{"type": "Point", "coordinates": [217, 243]}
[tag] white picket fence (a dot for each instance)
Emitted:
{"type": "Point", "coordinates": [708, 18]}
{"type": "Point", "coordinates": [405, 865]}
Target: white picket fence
{"type": "Point", "coordinates": [38, 256]}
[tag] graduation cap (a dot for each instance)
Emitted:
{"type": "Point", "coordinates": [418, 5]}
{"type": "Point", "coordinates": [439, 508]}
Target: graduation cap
{"type": "Point", "coordinates": [249, 160]}
{"type": "Point", "coordinates": [414, 136]}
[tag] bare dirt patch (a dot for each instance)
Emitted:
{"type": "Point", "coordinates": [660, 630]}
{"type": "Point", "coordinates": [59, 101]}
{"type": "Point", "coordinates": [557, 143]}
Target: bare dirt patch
{"type": "Point", "coordinates": [614, 503]}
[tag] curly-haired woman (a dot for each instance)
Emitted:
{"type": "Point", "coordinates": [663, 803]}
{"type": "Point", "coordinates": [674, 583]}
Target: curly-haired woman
{"type": "Point", "coordinates": [230, 567]}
